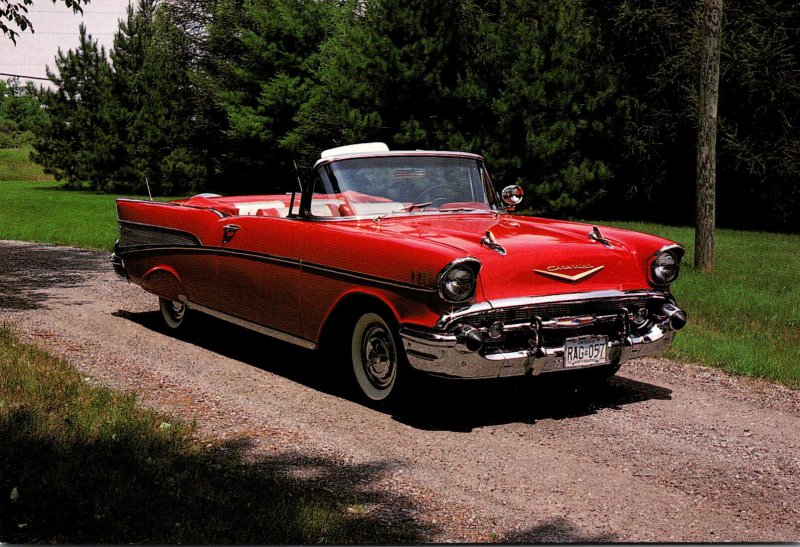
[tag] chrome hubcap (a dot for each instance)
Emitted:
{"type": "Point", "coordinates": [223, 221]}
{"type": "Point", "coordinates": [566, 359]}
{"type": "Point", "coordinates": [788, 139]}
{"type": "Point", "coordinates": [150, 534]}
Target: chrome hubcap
{"type": "Point", "coordinates": [378, 356]}
{"type": "Point", "coordinates": [177, 310]}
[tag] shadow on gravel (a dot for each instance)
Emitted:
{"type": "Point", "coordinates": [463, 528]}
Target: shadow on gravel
{"type": "Point", "coordinates": [129, 488]}
{"type": "Point", "coordinates": [461, 406]}
{"type": "Point", "coordinates": [27, 271]}
{"type": "Point", "coordinates": [557, 530]}
{"type": "Point", "coordinates": [447, 405]}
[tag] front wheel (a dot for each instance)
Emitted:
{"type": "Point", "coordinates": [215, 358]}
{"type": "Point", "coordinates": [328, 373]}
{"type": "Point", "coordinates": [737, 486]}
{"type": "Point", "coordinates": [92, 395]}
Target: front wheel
{"type": "Point", "coordinates": [375, 356]}
{"type": "Point", "coordinates": [174, 313]}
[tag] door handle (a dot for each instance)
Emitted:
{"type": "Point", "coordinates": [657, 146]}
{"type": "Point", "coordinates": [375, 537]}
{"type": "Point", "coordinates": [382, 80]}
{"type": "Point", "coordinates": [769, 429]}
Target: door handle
{"type": "Point", "coordinates": [228, 231]}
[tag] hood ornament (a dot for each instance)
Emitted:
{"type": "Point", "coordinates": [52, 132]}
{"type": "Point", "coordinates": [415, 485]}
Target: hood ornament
{"type": "Point", "coordinates": [597, 235]}
{"type": "Point", "coordinates": [554, 272]}
{"type": "Point", "coordinates": [489, 241]}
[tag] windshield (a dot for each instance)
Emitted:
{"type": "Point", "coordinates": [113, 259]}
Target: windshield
{"type": "Point", "coordinates": [401, 185]}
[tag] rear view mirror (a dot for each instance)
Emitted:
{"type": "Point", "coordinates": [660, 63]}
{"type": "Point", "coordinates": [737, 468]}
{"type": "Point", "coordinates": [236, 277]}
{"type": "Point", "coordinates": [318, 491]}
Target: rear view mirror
{"type": "Point", "coordinates": [512, 195]}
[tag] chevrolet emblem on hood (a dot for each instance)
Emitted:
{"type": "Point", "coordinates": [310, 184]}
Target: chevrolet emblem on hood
{"type": "Point", "coordinates": [555, 272]}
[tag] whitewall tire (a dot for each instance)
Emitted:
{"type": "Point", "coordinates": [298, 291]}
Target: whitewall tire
{"type": "Point", "coordinates": [375, 357]}
{"type": "Point", "coordinates": [174, 313]}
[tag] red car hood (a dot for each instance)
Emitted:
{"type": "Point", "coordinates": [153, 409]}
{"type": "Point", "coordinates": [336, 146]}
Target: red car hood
{"type": "Point", "coordinates": [542, 256]}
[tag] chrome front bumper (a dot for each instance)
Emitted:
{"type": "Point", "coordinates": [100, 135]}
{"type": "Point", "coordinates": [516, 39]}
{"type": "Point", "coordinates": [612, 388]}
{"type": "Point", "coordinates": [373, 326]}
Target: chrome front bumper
{"type": "Point", "coordinates": [437, 354]}
{"type": "Point", "coordinates": [443, 352]}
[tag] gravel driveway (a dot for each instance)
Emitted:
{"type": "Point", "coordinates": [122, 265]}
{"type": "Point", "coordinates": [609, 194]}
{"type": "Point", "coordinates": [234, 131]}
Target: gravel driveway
{"type": "Point", "coordinates": [665, 452]}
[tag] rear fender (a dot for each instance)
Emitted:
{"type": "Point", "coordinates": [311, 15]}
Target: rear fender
{"type": "Point", "coordinates": [163, 281]}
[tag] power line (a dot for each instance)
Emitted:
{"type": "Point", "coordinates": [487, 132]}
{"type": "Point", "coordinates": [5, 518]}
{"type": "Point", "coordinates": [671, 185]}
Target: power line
{"type": "Point", "coordinates": [72, 33]}
{"type": "Point", "coordinates": [84, 13]}
{"type": "Point", "coordinates": [25, 77]}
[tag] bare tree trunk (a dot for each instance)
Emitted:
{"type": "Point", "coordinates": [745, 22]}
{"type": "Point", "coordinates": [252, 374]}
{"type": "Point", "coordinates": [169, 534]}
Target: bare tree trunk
{"type": "Point", "coordinates": [707, 137]}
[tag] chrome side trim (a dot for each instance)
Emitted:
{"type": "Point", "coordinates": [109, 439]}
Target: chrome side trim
{"type": "Point", "coordinates": [366, 277]}
{"type": "Point", "coordinates": [292, 262]}
{"type": "Point", "coordinates": [279, 335]}
{"type": "Point", "coordinates": [172, 204]}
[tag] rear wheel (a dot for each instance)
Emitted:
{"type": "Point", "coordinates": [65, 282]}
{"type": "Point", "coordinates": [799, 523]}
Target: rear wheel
{"type": "Point", "coordinates": [174, 313]}
{"type": "Point", "coordinates": [376, 357]}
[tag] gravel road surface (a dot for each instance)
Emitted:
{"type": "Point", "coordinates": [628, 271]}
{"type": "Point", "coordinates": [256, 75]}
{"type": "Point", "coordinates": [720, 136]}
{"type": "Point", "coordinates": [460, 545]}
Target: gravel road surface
{"type": "Point", "coordinates": [665, 452]}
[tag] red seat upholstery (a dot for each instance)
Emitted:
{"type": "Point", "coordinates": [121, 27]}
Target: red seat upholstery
{"type": "Point", "coordinates": [345, 210]}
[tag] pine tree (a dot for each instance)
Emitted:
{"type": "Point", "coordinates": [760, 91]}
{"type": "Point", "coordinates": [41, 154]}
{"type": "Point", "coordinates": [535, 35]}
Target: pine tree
{"type": "Point", "coordinates": [260, 76]}
{"type": "Point", "coordinates": [75, 144]}
{"type": "Point", "coordinates": [656, 46]}
{"type": "Point", "coordinates": [520, 82]}
{"type": "Point", "coordinates": [391, 72]}
{"type": "Point", "coordinates": [552, 96]}
{"type": "Point", "coordinates": [20, 113]}
{"type": "Point", "coordinates": [153, 106]}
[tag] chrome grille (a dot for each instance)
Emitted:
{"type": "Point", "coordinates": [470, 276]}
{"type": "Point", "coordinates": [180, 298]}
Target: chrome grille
{"type": "Point", "coordinates": [545, 311]}
{"type": "Point", "coordinates": [608, 311]}
{"type": "Point", "coordinates": [138, 235]}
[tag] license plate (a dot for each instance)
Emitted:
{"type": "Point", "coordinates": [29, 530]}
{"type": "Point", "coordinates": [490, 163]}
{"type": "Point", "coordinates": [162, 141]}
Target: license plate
{"type": "Point", "coordinates": [585, 351]}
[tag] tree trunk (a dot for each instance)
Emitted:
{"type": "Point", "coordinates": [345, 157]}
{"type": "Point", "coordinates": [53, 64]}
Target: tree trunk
{"type": "Point", "coordinates": [707, 136]}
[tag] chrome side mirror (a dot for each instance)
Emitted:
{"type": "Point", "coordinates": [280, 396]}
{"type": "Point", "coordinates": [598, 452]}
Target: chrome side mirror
{"type": "Point", "coordinates": [512, 195]}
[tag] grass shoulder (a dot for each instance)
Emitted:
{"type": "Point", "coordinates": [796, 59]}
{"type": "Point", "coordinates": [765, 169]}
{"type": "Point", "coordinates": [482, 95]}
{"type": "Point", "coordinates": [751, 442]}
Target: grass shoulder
{"type": "Point", "coordinates": [85, 464]}
{"type": "Point", "coordinates": [40, 209]}
{"type": "Point", "coordinates": [15, 164]}
{"type": "Point", "coordinates": [744, 317]}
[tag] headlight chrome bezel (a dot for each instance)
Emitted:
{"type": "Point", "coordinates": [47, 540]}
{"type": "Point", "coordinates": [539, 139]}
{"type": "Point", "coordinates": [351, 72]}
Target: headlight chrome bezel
{"type": "Point", "coordinates": [660, 260]}
{"type": "Point", "coordinates": [460, 266]}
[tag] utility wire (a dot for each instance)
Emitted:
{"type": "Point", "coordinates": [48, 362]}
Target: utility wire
{"type": "Point", "coordinates": [23, 76]}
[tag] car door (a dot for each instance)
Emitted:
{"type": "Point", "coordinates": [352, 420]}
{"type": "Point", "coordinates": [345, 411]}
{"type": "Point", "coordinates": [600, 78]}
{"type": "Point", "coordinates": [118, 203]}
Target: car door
{"type": "Point", "coordinates": [258, 270]}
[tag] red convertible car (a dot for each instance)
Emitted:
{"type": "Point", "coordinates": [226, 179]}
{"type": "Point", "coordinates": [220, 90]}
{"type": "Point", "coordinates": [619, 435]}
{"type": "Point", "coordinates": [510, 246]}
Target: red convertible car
{"type": "Point", "coordinates": [401, 260]}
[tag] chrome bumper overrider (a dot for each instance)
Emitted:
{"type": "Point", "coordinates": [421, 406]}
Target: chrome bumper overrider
{"type": "Point", "coordinates": [444, 353]}
{"type": "Point", "coordinates": [119, 264]}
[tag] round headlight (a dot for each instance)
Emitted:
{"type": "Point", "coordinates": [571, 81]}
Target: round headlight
{"type": "Point", "coordinates": [665, 268]}
{"type": "Point", "coordinates": [457, 282]}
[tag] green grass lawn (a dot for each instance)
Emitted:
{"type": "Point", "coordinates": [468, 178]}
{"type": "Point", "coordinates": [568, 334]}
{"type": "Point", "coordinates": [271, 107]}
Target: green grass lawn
{"type": "Point", "coordinates": [43, 212]}
{"type": "Point", "coordinates": [36, 208]}
{"type": "Point", "coordinates": [15, 164]}
{"type": "Point", "coordinates": [81, 463]}
{"type": "Point", "coordinates": [745, 316]}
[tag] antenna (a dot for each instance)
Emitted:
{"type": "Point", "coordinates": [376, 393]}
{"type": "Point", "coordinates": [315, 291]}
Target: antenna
{"type": "Point", "coordinates": [147, 183]}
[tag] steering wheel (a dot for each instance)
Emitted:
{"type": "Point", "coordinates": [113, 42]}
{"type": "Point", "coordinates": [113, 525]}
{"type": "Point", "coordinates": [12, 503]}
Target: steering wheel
{"type": "Point", "coordinates": [431, 189]}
